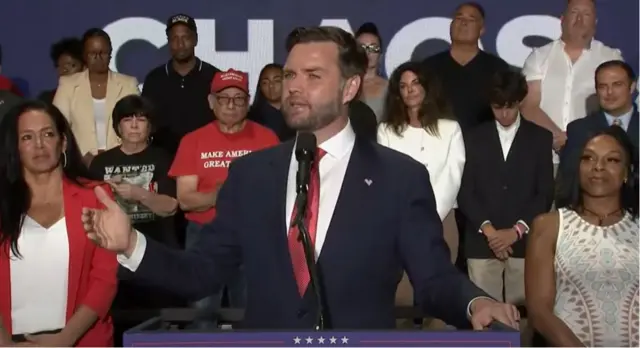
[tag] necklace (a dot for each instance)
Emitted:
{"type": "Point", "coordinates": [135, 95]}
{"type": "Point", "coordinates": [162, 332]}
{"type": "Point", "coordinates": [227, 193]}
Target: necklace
{"type": "Point", "coordinates": [601, 217]}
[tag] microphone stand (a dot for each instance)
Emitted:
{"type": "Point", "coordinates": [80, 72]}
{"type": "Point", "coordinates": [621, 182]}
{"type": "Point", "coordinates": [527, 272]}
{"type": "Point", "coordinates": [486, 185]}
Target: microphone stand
{"type": "Point", "coordinates": [309, 253]}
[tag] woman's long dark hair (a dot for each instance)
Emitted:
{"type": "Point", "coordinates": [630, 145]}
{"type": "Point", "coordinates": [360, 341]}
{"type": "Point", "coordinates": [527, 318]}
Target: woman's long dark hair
{"type": "Point", "coordinates": [435, 105]}
{"type": "Point", "coordinates": [15, 196]}
{"type": "Point", "coordinates": [568, 190]}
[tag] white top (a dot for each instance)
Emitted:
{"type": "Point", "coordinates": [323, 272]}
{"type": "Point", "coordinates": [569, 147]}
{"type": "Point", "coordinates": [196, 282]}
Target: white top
{"type": "Point", "coordinates": [333, 167]}
{"type": "Point", "coordinates": [597, 282]}
{"type": "Point", "coordinates": [39, 278]}
{"type": "Point", "coordinates": [443, 155]}
{"type": "Point", "coordinates": [101, 117]}
{"type": "Point", "coordinates": [566, 86]}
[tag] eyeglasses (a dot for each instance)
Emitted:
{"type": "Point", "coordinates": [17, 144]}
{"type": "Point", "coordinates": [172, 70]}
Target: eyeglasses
{"type": "Point", "coordinates": [237, 101]}
{"type": "Point", "coordinates": [371, 48]}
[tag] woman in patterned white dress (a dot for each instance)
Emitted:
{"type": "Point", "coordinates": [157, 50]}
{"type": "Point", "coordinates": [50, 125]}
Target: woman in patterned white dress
{"type": "Point", "coordinates": [581, 268]}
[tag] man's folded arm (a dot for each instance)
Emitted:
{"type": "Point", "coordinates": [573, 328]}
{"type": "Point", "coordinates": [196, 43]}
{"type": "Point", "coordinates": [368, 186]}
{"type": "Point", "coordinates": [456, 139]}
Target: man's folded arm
{"type": "Point", "coordinates": [200, 271]}
{"type": "Point", "coordinates": [441, 290]}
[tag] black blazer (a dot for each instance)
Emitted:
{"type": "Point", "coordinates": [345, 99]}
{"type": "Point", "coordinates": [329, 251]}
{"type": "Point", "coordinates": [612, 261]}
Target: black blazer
{"type": "Point", "coordinates": [504, 192]}
{"type": "Point", "coordinates": [385, 221]}
{"type": "Point", "coordinates": [582, 129]}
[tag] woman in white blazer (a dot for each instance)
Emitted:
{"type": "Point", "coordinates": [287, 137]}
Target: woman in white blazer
{"type": "Point", "coordinates": [417, 123]}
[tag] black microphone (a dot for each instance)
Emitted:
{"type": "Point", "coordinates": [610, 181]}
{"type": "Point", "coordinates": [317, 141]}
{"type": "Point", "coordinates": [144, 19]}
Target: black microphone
{"type": "Point", "coordinates": [305, 151]}
{"type": "Point", "coordinates": [306, 144]}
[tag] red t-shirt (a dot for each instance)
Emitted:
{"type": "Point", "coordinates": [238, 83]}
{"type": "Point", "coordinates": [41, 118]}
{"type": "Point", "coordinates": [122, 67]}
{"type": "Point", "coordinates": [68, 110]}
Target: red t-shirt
{"type": "Point", "coordinates": [207, 153]}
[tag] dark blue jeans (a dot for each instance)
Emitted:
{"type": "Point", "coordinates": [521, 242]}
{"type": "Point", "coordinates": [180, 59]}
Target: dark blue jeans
{"type": "Point", "coordinates": [208, 307]}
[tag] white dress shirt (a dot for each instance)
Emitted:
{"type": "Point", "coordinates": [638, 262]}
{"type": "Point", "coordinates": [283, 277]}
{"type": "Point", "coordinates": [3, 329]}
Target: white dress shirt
{"type": "Point", "coordinates": [443, 155]}
{"type": "Point", "coordinates": [566, 86]}
{"type": "Point", "coordinates": [40, 278]}
{"type": "Point", "coordinates": [507, 135]}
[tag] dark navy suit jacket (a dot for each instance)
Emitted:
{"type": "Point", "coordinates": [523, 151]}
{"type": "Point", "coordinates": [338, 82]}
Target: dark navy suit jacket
{"type": "Point", "coordinates": [376, 232]}
{"type": "Point", "coordinates": [579, 131]}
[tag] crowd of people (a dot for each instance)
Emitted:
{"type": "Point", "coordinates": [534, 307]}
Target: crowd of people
{"type": "Point", "coordinates": [533, 182]}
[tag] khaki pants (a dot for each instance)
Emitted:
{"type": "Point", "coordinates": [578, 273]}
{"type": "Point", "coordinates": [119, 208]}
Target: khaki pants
{"type": "Point", "coordinates": [404, 294]}
{"type": "Point", "coordinates": [494, 276]}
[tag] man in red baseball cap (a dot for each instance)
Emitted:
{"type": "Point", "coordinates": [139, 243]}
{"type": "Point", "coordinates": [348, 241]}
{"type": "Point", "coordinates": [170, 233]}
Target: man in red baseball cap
{"type": "Point", "coordinates": [202, 162]}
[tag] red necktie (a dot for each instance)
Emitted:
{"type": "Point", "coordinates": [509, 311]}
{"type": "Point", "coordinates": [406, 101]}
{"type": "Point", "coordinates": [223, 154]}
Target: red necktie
{"type": "Point", "coordinates": [311, 221]}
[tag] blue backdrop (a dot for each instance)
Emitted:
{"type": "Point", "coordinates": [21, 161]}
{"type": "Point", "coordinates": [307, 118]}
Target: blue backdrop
{"type": "Point", "coordinates": [248, 34]}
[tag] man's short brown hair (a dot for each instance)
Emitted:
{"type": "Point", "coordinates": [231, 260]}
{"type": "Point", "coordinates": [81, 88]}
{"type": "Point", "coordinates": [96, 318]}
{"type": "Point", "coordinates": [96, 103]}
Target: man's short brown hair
{"type": "Point", "coordinates": [351, 56]}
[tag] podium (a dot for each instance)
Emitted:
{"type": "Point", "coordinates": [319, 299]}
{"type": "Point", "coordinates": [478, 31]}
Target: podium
{"type": "Point", "coordinates": [163, 331]}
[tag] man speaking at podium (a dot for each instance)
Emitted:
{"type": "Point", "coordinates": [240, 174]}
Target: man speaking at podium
{"type": "Point", "coordinates": [375, 216]}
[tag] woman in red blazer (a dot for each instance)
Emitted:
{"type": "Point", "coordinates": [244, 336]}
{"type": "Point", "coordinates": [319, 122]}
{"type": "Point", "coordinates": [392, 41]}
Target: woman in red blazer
{"type": "Point", "coordinates": [56, 286]}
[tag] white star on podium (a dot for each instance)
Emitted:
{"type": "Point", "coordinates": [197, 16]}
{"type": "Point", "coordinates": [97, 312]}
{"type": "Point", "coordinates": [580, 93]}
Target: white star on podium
{"type": "Point", "coordinates": [309, 340]}
{"type": "Point", "coordinates": [321, 340]}
{"type": "Point", "coordinates": [333, 340]}
{"type": "Point", "coordinates": [296, 340]}
{"type": "Point", "coordinates": [344, 340]}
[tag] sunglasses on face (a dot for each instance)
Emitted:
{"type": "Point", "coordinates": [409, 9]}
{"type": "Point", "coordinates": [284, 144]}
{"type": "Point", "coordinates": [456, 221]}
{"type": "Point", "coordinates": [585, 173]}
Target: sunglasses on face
{"type": "Point", "coordinates": [371, 48]}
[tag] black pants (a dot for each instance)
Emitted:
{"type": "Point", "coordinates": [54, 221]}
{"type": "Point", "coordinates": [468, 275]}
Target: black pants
{"type": "Point", "coordinates": [461, 261]}
{"type": "Point", "coordinates": [21, 337]}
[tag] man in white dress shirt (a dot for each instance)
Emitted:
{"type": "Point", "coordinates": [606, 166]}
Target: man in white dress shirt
{"type": "Point", "coordinates": [560, 74]}
{"type": "Point", "coordinates": [376, 217]}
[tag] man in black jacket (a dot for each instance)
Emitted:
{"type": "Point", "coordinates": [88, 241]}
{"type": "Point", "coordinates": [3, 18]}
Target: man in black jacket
{"type": "Point", "coordinates": [507, 181]}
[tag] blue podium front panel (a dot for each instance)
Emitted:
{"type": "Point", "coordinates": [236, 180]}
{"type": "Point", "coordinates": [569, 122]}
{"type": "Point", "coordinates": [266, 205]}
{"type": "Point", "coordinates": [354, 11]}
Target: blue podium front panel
{"type": "Point", "coordinates": [324, 339]}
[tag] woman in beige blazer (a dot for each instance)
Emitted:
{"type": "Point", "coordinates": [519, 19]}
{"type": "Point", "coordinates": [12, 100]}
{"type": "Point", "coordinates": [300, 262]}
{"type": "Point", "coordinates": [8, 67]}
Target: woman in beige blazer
{"type": "Point", "coordinates": [87, 98]}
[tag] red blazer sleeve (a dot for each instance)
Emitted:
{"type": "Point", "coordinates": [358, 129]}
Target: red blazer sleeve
{"type": "Point", "coordinates": [103, 281]}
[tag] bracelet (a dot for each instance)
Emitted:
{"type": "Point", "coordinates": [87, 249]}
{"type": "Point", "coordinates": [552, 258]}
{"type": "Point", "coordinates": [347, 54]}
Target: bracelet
{"type": "Point", "coordinates": [519, 231]}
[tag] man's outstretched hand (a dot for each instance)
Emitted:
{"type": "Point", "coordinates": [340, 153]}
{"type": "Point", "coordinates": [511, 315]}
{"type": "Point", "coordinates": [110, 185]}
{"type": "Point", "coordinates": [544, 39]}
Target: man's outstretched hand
{"type": "Point", "coordinates": [110, 227]}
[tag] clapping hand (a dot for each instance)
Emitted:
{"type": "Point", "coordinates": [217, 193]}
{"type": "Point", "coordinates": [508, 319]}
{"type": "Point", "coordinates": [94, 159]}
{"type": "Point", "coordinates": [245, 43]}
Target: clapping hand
{"type": "Point", "coordinates": [110, 227]}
